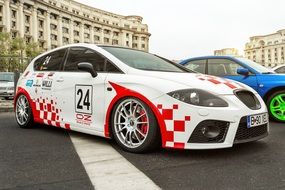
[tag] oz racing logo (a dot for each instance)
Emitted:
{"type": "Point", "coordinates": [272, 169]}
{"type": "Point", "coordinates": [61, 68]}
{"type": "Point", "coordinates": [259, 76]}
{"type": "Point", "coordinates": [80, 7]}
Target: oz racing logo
{"type": "Point", "coordinates": [46, 84]}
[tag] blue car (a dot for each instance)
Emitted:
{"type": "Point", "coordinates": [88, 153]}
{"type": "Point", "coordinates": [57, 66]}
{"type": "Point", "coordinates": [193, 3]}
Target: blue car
{"type": "Point", "coordinates": [269, 85]}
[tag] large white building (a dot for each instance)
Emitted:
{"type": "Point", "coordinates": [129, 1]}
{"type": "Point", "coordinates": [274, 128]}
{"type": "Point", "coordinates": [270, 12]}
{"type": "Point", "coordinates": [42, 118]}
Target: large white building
{"type": "Point", "coordinates": [226, 51]}
{"type": "Point", "coordinates": [267, 50]}
{"type": "Point", "coordinates": [53, 23]}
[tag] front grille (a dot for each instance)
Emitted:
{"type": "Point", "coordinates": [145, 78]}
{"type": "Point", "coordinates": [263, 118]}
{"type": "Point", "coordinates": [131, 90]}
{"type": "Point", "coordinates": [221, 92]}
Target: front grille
{"type": "Point", "coordinates": [245, 134]}
{"type": "Point", "coordinates": [249, 99]}
{"type": "Point", "coordinates": [3, 88]}
{"type": "Point", "coordinates": [198, 137]}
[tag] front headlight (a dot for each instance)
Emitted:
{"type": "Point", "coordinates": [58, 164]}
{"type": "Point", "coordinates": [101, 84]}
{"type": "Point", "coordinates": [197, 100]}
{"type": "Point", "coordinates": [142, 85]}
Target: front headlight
{"type": "Point", "coordinates": [198, 97]}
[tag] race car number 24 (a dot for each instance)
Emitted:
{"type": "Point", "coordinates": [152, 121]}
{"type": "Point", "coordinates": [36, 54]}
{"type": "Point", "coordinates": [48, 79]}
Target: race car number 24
{"type": "Point", "coordinates": [83, 99]}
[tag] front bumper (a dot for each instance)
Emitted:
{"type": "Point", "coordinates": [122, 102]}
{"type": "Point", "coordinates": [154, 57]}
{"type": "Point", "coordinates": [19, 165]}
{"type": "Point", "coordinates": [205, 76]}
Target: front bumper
{"type": "Point", "coordinates": [182, 120]}
{"type": "Point", "coordinates": [7, 94]}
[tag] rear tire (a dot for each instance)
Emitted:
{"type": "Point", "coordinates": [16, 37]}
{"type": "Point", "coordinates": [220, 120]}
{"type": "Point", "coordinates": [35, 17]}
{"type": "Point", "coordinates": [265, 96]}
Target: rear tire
{"type": "Point", "coordinates": [276, 106]}
{"type": "Point", "coordinates": [23, 112]}
{"type": "Point", "coordinates": [134, 126]}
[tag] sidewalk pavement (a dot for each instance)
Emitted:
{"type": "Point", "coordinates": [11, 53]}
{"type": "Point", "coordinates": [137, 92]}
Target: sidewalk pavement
{"type": "Point", "coordinates": [6, 105]}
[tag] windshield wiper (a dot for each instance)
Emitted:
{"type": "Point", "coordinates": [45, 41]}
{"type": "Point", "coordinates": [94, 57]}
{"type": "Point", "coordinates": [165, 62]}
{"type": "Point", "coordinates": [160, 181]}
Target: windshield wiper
{"type": "Point", "coordinates": [4, 80]}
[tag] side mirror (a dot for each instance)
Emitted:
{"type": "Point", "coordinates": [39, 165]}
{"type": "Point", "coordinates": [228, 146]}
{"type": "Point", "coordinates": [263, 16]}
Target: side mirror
{"type": "Point", "coordinates": [88, 67]}
{"type": "Point", "coordinates": [243, 71]}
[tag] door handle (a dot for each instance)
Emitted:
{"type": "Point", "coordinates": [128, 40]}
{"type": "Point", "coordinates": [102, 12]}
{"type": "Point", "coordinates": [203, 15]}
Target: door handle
{"type": "Point", "coordinates": [60, 80]}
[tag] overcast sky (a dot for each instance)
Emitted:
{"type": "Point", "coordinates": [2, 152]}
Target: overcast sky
{"type": "Point", "coordinates": [187, 28]}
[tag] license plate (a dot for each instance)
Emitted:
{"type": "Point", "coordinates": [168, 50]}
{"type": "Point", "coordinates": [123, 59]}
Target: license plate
{"type": "Point", "coordinates": [256, 120]}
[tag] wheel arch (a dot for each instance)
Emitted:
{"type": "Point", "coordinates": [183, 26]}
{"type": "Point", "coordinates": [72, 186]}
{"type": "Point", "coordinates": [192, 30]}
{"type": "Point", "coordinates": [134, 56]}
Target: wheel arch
{"type": "Point", "coordinates": [271, 91]}
{"type": "Point", "coordinates": [123, 93]}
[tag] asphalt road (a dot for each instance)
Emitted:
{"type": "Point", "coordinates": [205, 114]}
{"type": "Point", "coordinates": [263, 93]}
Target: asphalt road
{"type": "Point", "coordinates": [38, 158]}
{"type": "Point", "coordinates": [256, 165]}
{"type": "Point", "coordinates": [44, 158]}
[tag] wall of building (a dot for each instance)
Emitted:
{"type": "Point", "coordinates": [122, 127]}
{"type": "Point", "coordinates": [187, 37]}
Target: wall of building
{"type": "Point", "coordinates": [54, 23]}
{"type": "Point", "coordinates": [267, 50]}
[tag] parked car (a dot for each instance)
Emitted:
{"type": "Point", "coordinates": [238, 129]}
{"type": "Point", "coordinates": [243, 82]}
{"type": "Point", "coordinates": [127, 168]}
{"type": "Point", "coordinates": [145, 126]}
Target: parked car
{"type": "Point", "coordinates": [7, 85]}
{"type": "Point", "coordinates": [137, 98]}
{"type": "Point", "coordinates": [269, 85]}
{"type": "Point", "coordinates": [279, 69]}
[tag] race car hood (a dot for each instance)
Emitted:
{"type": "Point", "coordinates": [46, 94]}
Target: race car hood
{"type": "Point", "coordinates": [193, 80]}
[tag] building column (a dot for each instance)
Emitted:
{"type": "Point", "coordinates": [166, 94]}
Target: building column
{"type": "Point", "coordinates": [130, 40]}
{"type": "Point", "coordinates": [92, 34]}
{"type": "Point", "coordinates": [35, 24]}
{"type": "Point", "coordinates": [7, 18]}
{"type": "Point", "coordinates": [47, 31]}
{"type": "Point", "coordinates": [71, 32]}
{"type": "Point", "coordinates": [59, 37]}
{"type": "Point", "coordinates": [102, 36]}
{"type": "Point", "coordinates": [123, 38]}
{"type": "Point", "coordinates": [139, 42]}
{"type": "Point", "coordinates": [81, 33]}
{"type": "Point", "coordinates": [21, 19]}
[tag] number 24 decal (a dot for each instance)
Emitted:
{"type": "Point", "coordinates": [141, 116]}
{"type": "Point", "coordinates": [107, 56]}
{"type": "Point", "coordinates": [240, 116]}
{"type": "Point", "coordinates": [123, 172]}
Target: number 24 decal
{"type": "Point", "coordinates": [83, 99]}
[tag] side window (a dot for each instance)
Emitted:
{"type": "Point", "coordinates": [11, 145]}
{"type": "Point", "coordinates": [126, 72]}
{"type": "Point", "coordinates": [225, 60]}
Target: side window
{"type": "Point", "coordinates": [197, 65]}
{"type": "Point", "coordinates": [50, 62]}
{"type": "Point", "coordinates": [222, 67]}
{"type": "Point", "coordinates": [81, 54]}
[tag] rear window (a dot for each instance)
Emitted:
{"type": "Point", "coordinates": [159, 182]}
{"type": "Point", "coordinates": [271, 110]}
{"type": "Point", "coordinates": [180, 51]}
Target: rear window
{"type": "Point", "coordinates": [50, 62]}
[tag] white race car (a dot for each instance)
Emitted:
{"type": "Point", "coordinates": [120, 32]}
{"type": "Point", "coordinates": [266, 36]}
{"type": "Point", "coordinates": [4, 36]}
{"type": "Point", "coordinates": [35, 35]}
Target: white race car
{"type": "Point", "coordinates": [139, 99]}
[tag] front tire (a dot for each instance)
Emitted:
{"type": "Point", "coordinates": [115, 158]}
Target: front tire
{"type": "Point", "coordinates": [23, 112]}
{"type": "Point", "coordinates": [276, 106]}
{"type": "Point", "coordinates": [134, 126]}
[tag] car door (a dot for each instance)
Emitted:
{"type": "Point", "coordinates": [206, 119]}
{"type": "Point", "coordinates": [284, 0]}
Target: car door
{"type": "Point", "coordinates": [228, 69]}
{"type": "Point", "coordinates": [82, 97]}
{"type": "Point", "coordinates": [46, 69]}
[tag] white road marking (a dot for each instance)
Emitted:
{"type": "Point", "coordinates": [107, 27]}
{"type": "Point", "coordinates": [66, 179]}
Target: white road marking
{"type": "Point", "coordinates": [106, 168]}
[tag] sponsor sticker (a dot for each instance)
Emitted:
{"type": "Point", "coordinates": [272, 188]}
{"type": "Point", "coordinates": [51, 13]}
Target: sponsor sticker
{"type": "Point", "coordinates": [46, 84]}
{"type": "Point", "coordinates": [84, 119]}
{"type": "Point", "coordinates": [29, 83]}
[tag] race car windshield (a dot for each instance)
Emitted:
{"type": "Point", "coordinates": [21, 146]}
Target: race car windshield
{"type": "Point", "coordinates": [144, 61]}
{"type": "Point", "coordinates": [7, 77]}
{"type": "Point", "coordinates": [259, 68]}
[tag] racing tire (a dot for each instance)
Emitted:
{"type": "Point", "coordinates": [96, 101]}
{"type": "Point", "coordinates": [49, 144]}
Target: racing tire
{"type": "Point", "coordinates": [23, 112]}
{"type": "Point", "coordinates": [134, 126]}
{"type": "Point", "coordinates": [276, 106]}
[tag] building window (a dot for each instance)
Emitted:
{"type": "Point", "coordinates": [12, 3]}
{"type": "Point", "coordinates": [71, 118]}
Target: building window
{"type": "Point", "coordinates": [76, 23]}
{"type": "Point", "coordinates": [65, 40]}
{"type": "Point", "coordinates": [76, 33]}
{"type": "Point", "coordinates": [1, 9]}
{"type": "Point", "coordinates": [65, 30]}
{"type": "Point", "coordinates": [53, 37]}
{"type": "Point", "coordinates": [106, 31]}
{"type": "Point", "coordinates": [106, 40]}
{"type": "Point", "coordinates": [115, 42]}
{"type": "Point", "coordinates": [143, 46]}
{"type": "Point", "coordinates": [116, 33]}
{"type": "Point", "coordinates": [143, 39]}
{"type": "Point", "coordinates": [53, 16]}
{"type": "Point", "coordinates": [135, 45]}
{"type": "Point", "coordinates": [1, 29]}
{"type": "Point", "coordinates": [127, 35]}
{"type": "Point", "coordinates": [0, 19]}
{"type": "Point", "coordinates": [14, 35]}
{"type": "Point", "coordinates": [76, 41]}
{"type": "Point", "coordinates": [135, 38]}
{"type": "Point", "coordinates": [41, 23]}
{"type": "Point", "coordinates": [27, 29]}
{"type": "Point", "coordinates": [65, 20]}
{"type": "Point", "coordinates": [97, 29]}
{"type": "Point", "coordinates": [41, 34]}
{"type": "Point", "coordinates": [14, 13]}
{"type": "Point", "coordinates": [143, 30]}
{"type": "Point", "coordinates": [97, 38]}
{"type": "Point", "coordinates": [126, 26]}
{"type": "Point", "coordinates": [27, 19]}
{"type": "Point", "coordinates": [13, 24]}
{"type": "Point", "coordinates": [86, 35]}
{"type": "Point", "coordinates": [53, 26]}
